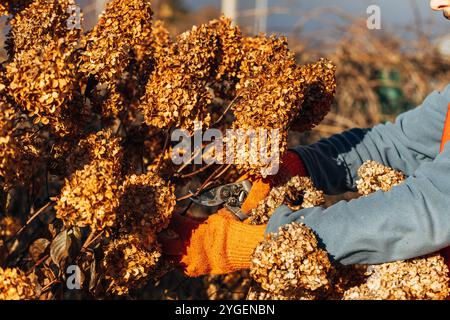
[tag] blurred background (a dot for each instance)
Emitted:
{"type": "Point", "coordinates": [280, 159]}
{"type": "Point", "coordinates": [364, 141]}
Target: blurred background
{"type": "Point", "coordinates": [381, 73]}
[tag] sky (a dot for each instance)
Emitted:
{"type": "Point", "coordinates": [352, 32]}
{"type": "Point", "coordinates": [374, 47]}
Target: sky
{"type": "Point", "coordinates": [394, 13]}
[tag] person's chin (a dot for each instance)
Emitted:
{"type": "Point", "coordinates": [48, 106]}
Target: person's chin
{"type": "Point", "coordinates": [447, 13]}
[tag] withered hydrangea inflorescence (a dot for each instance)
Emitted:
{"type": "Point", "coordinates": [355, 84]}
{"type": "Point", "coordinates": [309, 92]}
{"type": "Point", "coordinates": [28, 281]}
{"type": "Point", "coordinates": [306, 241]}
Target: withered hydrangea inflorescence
{"type": "Point", "coordinates": [123, 33]}
{"type": "Point", "coordinates": [146, 204]}
{"type": "Point", "coordinates": [128, 264]}
{"type": "Point", "coordinates": [43, 82]}
{"type": "Point", "coordinates": [298, 188]}
{"type": "Point", "coordinates": [290, 263]}
{"type": "Point", "coordinates": [177, 93]}
{"type": "Point", "coordinates": [41, 23]}
{"type": "Point", "coordinates": [375, 176]}
{"type": "Point", "coordinates": [15, 285]}
{"type": "Point", "coordinates": [272, 92]}
{"type": "Point", "coordinates": [423, 278]}
{"type": "Point", "coordinates": [90, 197]}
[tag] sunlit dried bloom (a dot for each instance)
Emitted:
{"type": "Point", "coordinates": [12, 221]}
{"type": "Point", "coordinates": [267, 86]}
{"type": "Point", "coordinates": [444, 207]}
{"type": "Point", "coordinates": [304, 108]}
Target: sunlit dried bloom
{"type": "Point", "coordinates": [90, 197]}
{"type": "Point", "coordinates": [297, 193]}
{"type": "Point", "coordinates": [123, 33]}
{"type": "Point", "coordinates": [123, 26]}
{"type": "Point", "coordinates": [319, 95]}
{"type": "Point", "coordinates": [231, 51]}
{"type": "Point", "coordinates": [375, 176]}
{"type": "Point", "coordinates": [15, 285]}
{"type": "Point", "coordinates": [44, 84]}
{"type": "Point", "coordinates": [19, 151]}
{"type": "Point", "coordinates": [97, 146]}
{"type": "Point", "coordinates": [146, 204]}
{"type": "Point", "coordinates": [291, 263]}
{"type": "Point", "coordinates": [128, 264]}
{"type": "Point", "coordinates": [417, 279]}
{"type": "Point", "coordinates": [177, 93]}
{"type": "Point", "coordinates": [40, 23]}
{"type": "Point", "coordinates": [275, 94]}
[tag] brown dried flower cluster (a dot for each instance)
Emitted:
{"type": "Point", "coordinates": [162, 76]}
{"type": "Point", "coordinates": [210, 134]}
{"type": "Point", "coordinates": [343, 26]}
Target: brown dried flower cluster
{"type": "Point", "coordinates": [177, 93]}
{"type": "Point", "coordinates": [15, 285]}
{"type": "Point", "coordinates": [43, 82]}
{"type": "Point", "coordinates": [418, 279]}
{"type": "Point", "coordinates": [298, 188]}
{"type": "Point", "coordinates": [90, 196]}
{"type": "Point", "coordinates": [290, 263]}
{"type": "Point", "coordinates": [375, 176]}
{"type": "Point", "coordinates": [231, 50]}
{"type": "Point", "coordinates": [123, 34]}
{"type": "Point", "coordinates": [19, 151]}
{"type": "Point", "coordinates": [128, 264]}
{"type": "Point", "coordinates": [146, 204]}
{"type": "Point", "coordinates": [97, 146]}
{"type": "Point", "coordinates": [40, 23]}
{"type": "Point", "coordinates": [273, 90]}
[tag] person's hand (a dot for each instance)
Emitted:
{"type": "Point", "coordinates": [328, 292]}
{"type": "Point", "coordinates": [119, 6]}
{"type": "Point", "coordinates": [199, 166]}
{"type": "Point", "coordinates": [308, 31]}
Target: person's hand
{"type": "Point", "coordinates": [291, 166]}
{"type": "Point", "coordinates": [219, 245]}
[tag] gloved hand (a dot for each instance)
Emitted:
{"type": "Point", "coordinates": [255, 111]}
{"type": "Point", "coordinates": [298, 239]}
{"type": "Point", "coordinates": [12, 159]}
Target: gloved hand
{"type": "Point", "coordinates": [291, 166]}
{"type": "Point", "coordinates": [222, 244]}
{"type": "Point", "coordinates": [219, 245]}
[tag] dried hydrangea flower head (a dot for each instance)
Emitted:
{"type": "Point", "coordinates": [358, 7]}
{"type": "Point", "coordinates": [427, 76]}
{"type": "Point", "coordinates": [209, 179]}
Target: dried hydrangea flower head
{"type": "Point", "coordinates": [96, 146]}
{"type": "Point", "coordinates": [43, 82]}
{"type": "Point", "coordinates": [231, 51]}
{"type": "Point", "coordinates": [417, 279]}
{"type": "Point", "coordinates": [40, 23]}
{"type": "Point", "coordinates": [177, 93]}
{"type": "Point", "coordinates": [19, 151]}
{"type": "Point", "coordinates": [291, 263]}
{"type": "Point", "coordinates": [272, 92]}
{"type": "Point", "coordinates": [375, 176]}
{"type": "Point", "coordinates": [298, 188]}
{"type": "Point", "coordinates": [146, 204]}
{"type": "Point", "coordinates": [128, 264]}
{"type": "Point", "coordinates": [124, 31]}
{"type": "Point", "coordinates": [15, 285]}
{"type": "Point", "coordinates": [319, 95]}
{"type": "Point", "coordinates": [13, 6]}
{"type": "Point", "coordinates": [90, 197]}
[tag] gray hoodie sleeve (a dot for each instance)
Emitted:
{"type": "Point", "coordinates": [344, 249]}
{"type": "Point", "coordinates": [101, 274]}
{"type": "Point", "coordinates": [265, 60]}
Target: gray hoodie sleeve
{"type": "Point", "coordinates": [412, 140]}
{"type": "Point", "coordinates": [411, 220]}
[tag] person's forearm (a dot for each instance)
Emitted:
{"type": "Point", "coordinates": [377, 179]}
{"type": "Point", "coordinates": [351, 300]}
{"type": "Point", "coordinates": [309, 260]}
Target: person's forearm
{"type": "Point", "coordinates": [412, 140]}
{"type": "Point", "coordinates": [411, 220]}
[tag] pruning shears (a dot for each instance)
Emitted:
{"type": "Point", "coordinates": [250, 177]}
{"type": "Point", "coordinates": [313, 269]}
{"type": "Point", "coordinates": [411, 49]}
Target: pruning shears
{"type": "Point", "coordinates": [232, 196]}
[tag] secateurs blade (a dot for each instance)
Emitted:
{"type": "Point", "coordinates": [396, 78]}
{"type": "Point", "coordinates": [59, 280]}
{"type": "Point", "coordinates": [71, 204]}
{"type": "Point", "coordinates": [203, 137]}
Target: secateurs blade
{"type": "Point", "coordinates": [232, 196]}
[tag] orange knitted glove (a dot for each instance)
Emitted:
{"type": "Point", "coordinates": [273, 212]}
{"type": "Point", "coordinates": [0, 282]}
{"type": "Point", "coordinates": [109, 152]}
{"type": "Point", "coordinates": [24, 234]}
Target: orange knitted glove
{"type": "Point", "coordinates": [219, 245]}
{"type": "Point", "coordinates": [291, 166]}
